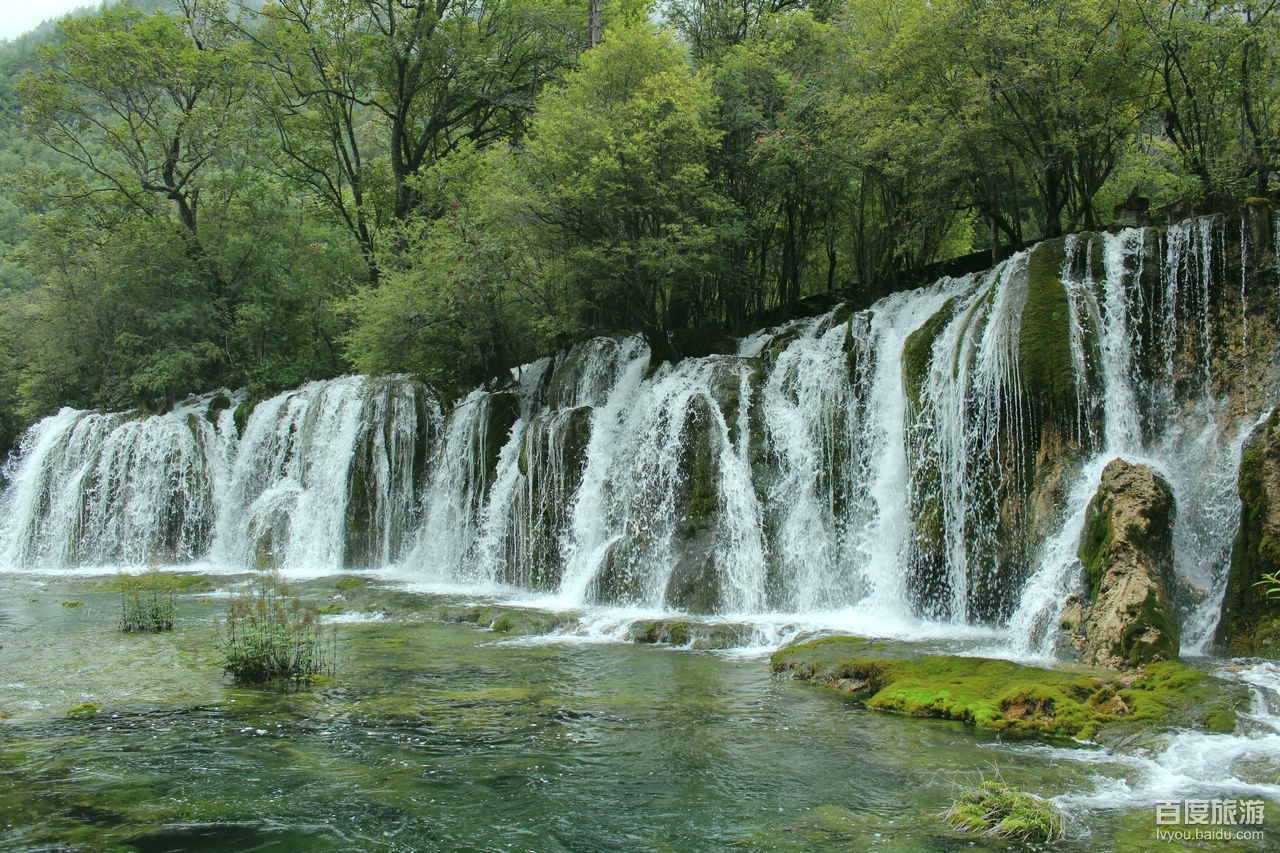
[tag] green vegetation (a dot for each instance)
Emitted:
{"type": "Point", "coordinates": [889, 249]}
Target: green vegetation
{"type": "Point", "coordinates": [73, 603]}
{"type": "Point", "coordinates": [83, 710]}
{"type": "Point", "coordinates": [993, 809]}
{"type": "Point", "coordinates": [147, 602]}
{"type": "Point", "coordinates": [997, 695]}
{"type": "Point", "coordinates": [1250, 623]}
{"type": "Point", "coordinates": [271, 638]}
{"type": "Point", "coordinates": [348, 583]}
{"type": "Point", "coordinates": [205, 194]}
{"type": "Point", "coordinates": [1044, 350]}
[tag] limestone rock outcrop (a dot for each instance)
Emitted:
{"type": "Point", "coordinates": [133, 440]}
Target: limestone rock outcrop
{"type": "Point", "coordinates": [1127, 617]}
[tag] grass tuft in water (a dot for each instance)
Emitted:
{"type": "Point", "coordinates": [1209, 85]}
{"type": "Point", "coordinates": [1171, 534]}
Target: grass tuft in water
{"type": "Point", "coordinates": [995, 810]}
{"type": "Point", "coordinates": [146, 602]}
{"type": "Point", "coordinates": [270, 637]}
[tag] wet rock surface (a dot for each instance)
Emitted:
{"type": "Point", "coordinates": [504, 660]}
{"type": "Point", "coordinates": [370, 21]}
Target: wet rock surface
{"type": "Point", "coordinates": [1127, 618]}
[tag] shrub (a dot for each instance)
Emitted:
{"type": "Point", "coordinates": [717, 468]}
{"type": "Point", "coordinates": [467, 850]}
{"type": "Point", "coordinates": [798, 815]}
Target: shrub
{"type": "Point", "coordinates": [270, 637]}
{"type": "Point", "coordinates": [995, 810]}
{"type": "Point", "coordinates": [146, 602]}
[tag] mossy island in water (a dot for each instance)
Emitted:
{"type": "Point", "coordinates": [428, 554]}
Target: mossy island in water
{"type": "Point", "coordinates": [1013, 699]}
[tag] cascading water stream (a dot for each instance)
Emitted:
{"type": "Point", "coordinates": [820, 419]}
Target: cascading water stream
{"type": "Point", "coordinates": [881, 462]}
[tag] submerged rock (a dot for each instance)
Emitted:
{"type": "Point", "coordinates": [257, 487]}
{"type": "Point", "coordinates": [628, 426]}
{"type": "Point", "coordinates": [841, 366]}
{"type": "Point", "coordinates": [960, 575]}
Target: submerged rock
{"type": "Point", "coordinates": [693, 634]}
{"type": "Point", "coordinates": [1250, 622]}
{"type": "Point", "coordinates": [1127, 619]}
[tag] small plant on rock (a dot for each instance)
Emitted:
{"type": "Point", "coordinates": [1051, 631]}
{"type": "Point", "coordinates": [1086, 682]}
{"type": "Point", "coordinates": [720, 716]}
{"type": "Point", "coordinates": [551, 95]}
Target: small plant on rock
{"type": "Point", "coordinates": [271, 637]}
{"type": "Point", "coordinates": [1270, 585]}
{"type": "Point", "coordinates": [995, 810]}
{"type": "Point", "coordinates": [146, 602]}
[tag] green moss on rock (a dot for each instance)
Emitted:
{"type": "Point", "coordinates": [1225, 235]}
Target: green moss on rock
{"type": "Point", "coordinates": [242, 414]}
{"type": "Point", "coordinates": [217, 406]}
{"type": "Point", "coordinates": [502, 414]}
{"type": "Point", "coordinates": [1126, 549]}
{"type": "Point", "coordinates": [1250, 621]}
{"type": "Point", "coordinates": [1044, 346]}
{"type": "Point", "coordinates": [1001, 696]}
{"type": "Point", "coordinates": [917, 353]}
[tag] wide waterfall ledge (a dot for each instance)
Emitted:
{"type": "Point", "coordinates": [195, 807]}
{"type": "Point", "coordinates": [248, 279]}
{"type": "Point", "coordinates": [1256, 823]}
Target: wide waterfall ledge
{"type": "Point", "coordinates": [918, 469]}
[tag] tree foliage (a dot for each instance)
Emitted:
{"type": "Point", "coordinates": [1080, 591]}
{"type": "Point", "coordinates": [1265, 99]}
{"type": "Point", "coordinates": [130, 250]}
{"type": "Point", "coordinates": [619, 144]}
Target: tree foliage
{"type": "Point", "coordinates": [206, 193]}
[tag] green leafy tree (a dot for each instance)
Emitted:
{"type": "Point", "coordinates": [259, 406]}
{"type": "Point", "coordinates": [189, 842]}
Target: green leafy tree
{"type": "Point", "coordinates": [464, 299]}
{"type": "Point", "coordinates": [616, 169]}
{"type": "Point", "coordinates": [146, 106]}
{"type": "Point", "coordinates": [1214, 66]}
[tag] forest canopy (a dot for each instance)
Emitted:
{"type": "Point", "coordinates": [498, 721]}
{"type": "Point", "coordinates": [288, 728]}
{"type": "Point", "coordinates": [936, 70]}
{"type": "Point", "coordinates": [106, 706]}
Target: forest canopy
{"type": "Point", "coordinates": [202, 194]}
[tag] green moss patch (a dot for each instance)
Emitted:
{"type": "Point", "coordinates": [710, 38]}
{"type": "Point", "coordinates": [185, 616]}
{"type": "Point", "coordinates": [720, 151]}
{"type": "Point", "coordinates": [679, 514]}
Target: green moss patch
{"type": "Point", "coordinates": [1001, 696]}
{"type": "Point", "coordinates": [240, 417]}
{"type": "Point", "coordinates": [345, 584]}
{"type": "Point", "coordinates": [217, 406]}
{"type": "Point", "coordinates": [162, 582]}
{"type": "Point", "coordinates": [1044, 347]}
{"type": "Point", "coordinates": [517, 621]}
{"type": "Point", "coordinates": [1250, 622]}
{"type": "Point", "coordinates": [917, 353]}
{"type": "Point", "coordinates": [84, 710]}
{"type": "Point", "coordinates": [993, 809]}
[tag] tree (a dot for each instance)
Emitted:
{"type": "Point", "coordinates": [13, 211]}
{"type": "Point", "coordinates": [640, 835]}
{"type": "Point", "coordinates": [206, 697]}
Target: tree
{"type": "Point", "coordinates": [368, 93]}
{"type": "Point", "coordinates": [1215, 68]}
{"type": "Point", "coordinates": [616, 165]}
{"type": "Point", "coordinates": [146, 105]}
{"type": "Point", "coordinates": [1020, 100]}
{"type": "Point", "coordinates": [464, 302]}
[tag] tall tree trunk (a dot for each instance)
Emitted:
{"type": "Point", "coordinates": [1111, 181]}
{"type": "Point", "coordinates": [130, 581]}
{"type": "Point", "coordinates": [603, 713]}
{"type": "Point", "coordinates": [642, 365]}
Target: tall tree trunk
{"type": "Point", "coordinates": [596, 17]}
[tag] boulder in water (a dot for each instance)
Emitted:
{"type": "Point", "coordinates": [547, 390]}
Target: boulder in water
{"type": "Point", "coordinates": [1250, 622]}
{"type": "Point", "coordinates": [1127, 619]}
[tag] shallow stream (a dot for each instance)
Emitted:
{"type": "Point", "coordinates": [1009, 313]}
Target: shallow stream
{"type": "Point", "coordinates": [452, 737]}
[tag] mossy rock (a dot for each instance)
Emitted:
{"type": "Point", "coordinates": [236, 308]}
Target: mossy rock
{"type": "Point", "coordinates": [166, 582]}
{"type": "Point", "coordinates": [517, 621]}
{"type": "Point", "coordinates": [219, 404]}
{"type": "Point", "coordinates": [242, 414]}
{"type": "Point", "coordinates": [1126, 549]}
{"type": "Point", "coordinates": [84, 710]}
{"type": "Point", "coordinates": [917, 352]}
{"type": "Point", "coordinates": [350, 582]}
{"type": "Point", "coordinates": [502, 413]}
{"type": "Point", "coordinates": [73, 603]}
{"type": "Point", "coordinates": [1250, 620]}
{"type": "Point", "coordinates": [1013, 699]}
{"type": "Point", "coordinates": [675, 633]}
{"type": "Point", "coordinates": [1044, 345]}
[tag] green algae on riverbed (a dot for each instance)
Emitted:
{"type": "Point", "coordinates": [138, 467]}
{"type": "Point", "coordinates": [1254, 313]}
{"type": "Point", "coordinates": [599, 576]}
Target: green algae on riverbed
{"type": "Point", "coordinates": [445, 736]}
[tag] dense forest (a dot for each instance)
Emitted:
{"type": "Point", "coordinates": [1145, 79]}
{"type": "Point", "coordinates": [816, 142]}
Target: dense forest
{"type": "Point", "coordinates": [207, 194]}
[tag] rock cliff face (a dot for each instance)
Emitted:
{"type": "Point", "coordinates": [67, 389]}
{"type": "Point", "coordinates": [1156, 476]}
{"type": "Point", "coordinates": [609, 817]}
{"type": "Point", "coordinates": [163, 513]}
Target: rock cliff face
{"type": "Point", "coordinates": [1250, 623]}
{"type": "Point", "coordinates": [1127, 552]}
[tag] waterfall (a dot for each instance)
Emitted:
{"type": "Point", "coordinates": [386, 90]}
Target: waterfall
{"type": "Point", "coordinates": [928, 458]}
{"type": "Point", "coordinates": [88, 488]}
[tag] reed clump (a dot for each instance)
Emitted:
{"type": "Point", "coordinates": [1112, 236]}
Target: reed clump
{"type": "Point", "coordinates": [271, 637]}
{"type": "Point", "coordinates": [147, 602]}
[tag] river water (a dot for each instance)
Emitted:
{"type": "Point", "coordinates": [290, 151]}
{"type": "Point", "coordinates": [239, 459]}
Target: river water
{"type": "Point", "coordinates": [450, 737]}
